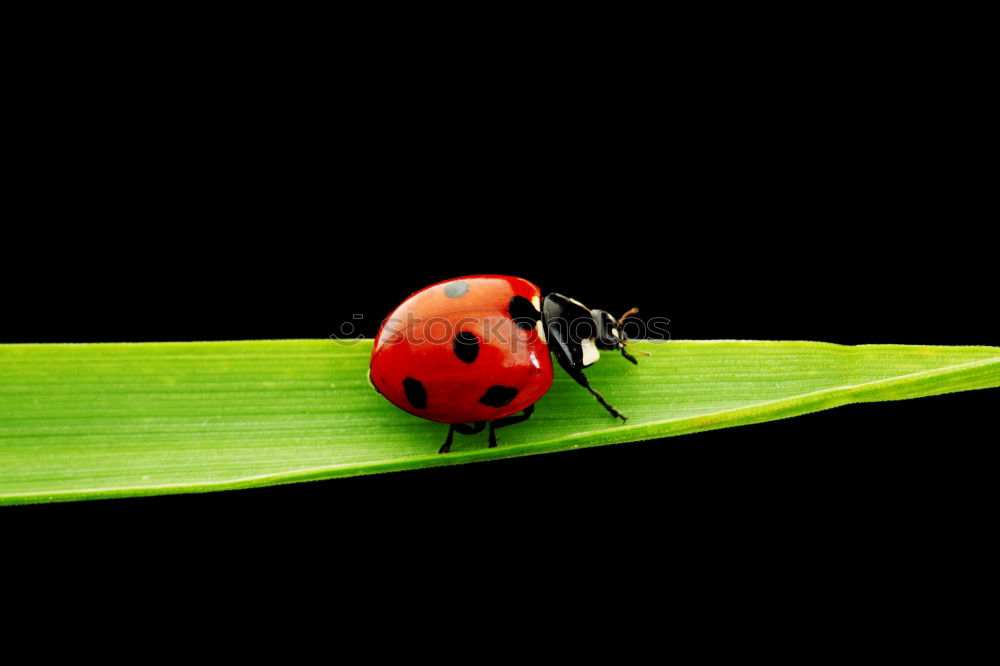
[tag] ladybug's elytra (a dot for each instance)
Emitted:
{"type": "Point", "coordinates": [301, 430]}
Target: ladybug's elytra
{"type": "Point", "coordinates": [476, 350]}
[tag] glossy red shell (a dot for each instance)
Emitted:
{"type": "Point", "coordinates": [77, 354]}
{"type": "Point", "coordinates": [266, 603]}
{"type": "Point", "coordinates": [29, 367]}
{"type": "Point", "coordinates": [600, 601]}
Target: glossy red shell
{"type": "Point", "coordinates": [417, 342]}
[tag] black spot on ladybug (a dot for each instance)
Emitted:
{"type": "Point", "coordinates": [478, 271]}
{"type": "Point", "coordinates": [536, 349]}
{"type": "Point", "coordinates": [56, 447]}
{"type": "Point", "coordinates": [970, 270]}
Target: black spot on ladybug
{"type": "Point", "coordinates": [523, 313]}
{"type": "Point", "coordinates": [415, 392]}
{"type": "Point", "coordinates": [456, 289]}
{"type": "Point", "coordinates": [466, 346]}
{"type": "Point", "coordinates": [498, 396]}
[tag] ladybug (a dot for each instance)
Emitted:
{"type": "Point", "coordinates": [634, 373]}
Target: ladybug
{"type": "Point", "coordinates": [475, 350]}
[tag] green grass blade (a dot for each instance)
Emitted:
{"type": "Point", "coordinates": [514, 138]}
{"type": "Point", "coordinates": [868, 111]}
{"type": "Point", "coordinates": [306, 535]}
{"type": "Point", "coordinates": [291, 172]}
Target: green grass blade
{"type": "Point", "coordinates": [112, 420]}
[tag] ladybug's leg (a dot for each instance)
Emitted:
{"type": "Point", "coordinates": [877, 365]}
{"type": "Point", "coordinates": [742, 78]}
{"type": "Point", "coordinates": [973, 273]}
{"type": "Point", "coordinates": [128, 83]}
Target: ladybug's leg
{"type": "Point", "coordinates": [576, 373]}
{"type": "Point", "coordinates": [462, 428]}
{"type": "Point", "coordinates": [629, 356]}
{"type": "Point", "coordinates": [446, 447]}
{"type": "Point", "coordinates": [581, 379]}
{"type": "Point", "coordinates": [509, 420]}
{"type": "Point", "coordinates": [470, 430]}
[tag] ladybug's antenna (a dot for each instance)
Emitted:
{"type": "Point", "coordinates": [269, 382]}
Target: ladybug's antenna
{"type": "Point", "coordinates": [631, 312]}
{"type": "Point", "coordinates": [621, 319]}
{"type": "Point", "coordinates": [625, 342]}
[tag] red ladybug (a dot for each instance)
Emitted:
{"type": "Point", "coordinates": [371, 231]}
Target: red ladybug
{"type": "Point", "coordinates": [476, 350]}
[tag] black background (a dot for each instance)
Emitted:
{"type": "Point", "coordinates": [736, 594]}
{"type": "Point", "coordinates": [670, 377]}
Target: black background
{"type": "Point", "coordinates": [827, 201]}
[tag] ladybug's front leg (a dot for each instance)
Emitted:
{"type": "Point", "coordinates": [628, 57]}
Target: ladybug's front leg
{"type": "Point", "coordinates": [581, 379]}
{"type": "Point", "coordinates": [462, 428]}
{"type": "Point", "coordinates": [576, 373]}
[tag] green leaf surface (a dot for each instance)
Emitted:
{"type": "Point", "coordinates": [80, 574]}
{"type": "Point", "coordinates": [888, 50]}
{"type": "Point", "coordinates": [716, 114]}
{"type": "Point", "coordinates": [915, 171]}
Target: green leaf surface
{"type": "Point", "coordinates": [92, 421]}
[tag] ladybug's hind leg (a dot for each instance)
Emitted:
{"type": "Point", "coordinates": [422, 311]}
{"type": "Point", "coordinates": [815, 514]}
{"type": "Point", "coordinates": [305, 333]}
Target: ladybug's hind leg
{"type": "Point", "coordinates": [509, 420]}
{"type": "Point", "coordinates": [462, 428]}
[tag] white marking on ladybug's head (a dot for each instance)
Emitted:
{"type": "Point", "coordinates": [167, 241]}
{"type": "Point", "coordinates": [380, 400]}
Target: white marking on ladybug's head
{"type": "Point", "coordinates": [541, 331]}
{"type": "Point", "coordinates": [590, 353]}
{"type": "Point", "coordinates": [615, 333]}
{"type": "Point", "coordinates": [537, 302]}
{"type": "Point", "coordinates": [573, 300]}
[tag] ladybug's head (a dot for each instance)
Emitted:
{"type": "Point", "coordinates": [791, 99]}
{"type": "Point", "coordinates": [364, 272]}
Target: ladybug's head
{"type": "Point", "coordinates": [576, 333]}
{"type": "Point", "coordinates": [609, 336]}
{"type": "Point", "coordinates": [610, 331]}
